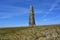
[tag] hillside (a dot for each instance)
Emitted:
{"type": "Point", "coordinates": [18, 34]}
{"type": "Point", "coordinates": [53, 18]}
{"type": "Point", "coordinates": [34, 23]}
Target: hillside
{"type": "Point", "coordinates": [47, 32]}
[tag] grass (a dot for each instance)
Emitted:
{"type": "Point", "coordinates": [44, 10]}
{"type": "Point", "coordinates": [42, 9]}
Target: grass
{"type": "Point", "coordinates": [47, 32]}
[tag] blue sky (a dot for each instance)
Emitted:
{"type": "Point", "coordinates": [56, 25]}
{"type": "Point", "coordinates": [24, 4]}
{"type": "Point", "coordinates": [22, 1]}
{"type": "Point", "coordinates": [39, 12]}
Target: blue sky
{"type": "Point", "coordinates": [16, 12]}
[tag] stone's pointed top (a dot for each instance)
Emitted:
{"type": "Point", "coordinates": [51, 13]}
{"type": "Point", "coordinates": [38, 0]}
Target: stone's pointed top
{"type": "Point", "coordinates": [31, 6]}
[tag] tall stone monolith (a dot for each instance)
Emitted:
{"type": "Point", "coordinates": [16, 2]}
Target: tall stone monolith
{"type": "Point", "coordinates": [31, 17]}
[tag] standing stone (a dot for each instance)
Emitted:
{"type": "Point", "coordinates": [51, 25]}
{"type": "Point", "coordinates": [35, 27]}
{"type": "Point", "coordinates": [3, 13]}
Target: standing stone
{"type": "Point", "coordinates": [31, 17]}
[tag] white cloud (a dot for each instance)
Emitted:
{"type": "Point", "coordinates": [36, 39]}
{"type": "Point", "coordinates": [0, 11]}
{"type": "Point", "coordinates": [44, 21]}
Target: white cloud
{"type": "Point", "coordinates": [10, 11]}
{"type": "Point", "coordinates": [51, 9]}
{"type": "Point", "coordinates": [44, 19]}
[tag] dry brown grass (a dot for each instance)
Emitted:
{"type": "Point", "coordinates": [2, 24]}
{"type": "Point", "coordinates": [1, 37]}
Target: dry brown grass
{"type": "Point", "coordinates": [51, 32]}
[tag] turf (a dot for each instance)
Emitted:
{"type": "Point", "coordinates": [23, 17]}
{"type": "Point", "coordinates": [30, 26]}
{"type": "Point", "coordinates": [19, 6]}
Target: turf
{"type": "Point", "coordinates": [46, 32]}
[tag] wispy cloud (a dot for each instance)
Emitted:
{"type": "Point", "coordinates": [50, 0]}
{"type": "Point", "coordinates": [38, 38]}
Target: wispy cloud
{"type": "Point", "coordinates": [7, 11]}
{"type": "Point", "coordinates": [10, 11]}
{"type": "Point", "coordinates": [53, 18]}
{"type": "Point", "coordinates": [51, 9]}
